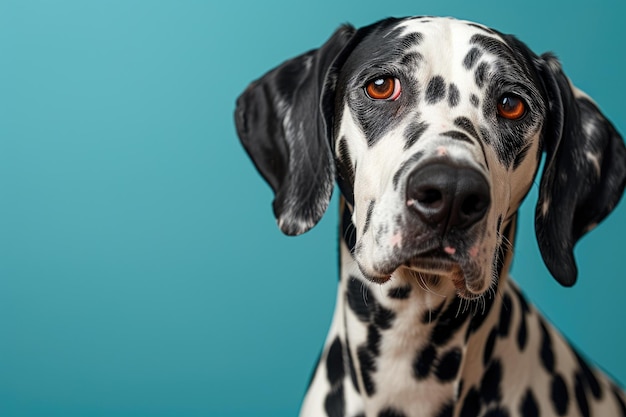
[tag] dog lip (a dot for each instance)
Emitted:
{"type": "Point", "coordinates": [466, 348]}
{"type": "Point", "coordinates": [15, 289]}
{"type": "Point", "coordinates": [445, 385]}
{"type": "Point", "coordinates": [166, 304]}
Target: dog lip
{"type": "Point", "coordinates": [434, 253]}
{"type": "Point", "coordinates": [380, 275]}
{"type": "Point", "coordinates": [376, 278]}
{"type": "Point", "coordinates": [430, 260]}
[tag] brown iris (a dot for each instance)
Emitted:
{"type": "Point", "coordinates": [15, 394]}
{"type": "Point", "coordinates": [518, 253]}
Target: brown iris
{"type": "Point", "coordinates": [383, 88]}
{"type": "Point", "coordinates": [511, 107]}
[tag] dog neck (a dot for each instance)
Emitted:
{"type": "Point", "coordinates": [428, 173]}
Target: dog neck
{"type": "Point", "coordinates": [413, 339]}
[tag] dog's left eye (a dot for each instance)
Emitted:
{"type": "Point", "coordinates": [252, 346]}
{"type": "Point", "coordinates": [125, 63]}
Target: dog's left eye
{"type": "Point", "coordinates": [383, 88]}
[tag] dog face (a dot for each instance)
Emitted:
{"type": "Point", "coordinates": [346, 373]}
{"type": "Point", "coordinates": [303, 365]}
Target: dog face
{"type": "Point", "coordinates": [436, 165]}
{"type": "Point", "coordinates": [434, 129]}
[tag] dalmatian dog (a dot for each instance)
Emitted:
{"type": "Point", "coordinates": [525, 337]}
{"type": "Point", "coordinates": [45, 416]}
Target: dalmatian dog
{"type": "Point", "coordinates": [434, 129]}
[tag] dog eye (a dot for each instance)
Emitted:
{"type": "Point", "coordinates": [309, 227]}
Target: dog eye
{"type": "Point", "coordinates": [383, 88]}
{"type": "Point", "coordinates": [511, 107]}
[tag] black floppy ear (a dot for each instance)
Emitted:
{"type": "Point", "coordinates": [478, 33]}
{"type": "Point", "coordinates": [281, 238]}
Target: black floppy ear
{"type": "Point", "coordinates": [584, 174]}
{"type": "Point", "coordinates": [285, 130]}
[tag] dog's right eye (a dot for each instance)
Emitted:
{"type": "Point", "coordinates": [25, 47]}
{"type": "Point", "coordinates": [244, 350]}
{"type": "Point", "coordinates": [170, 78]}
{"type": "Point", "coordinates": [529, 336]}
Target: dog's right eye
{"type": "Point", "coordinates": [383, 88]}
{"type": "Point", "coordinates": [511, 107]}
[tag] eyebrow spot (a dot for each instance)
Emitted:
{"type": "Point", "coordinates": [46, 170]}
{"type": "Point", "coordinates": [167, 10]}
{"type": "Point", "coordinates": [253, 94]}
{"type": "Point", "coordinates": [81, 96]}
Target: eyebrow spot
{"type": "Point", "coordinates": [480, 74]}
{"type": "Point", "coordinates": [453, 95]}
{"type": "Point", "coordinates": [436, 90]}
{"type": "Point", "coordinates": [471, 58]}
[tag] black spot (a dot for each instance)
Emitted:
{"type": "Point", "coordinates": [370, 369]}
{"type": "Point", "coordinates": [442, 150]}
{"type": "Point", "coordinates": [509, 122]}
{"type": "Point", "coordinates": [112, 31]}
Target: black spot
{"type": "Point", "coordinates": [423, 362]}
{"type": "Point", "coordinates": [589, 376]}
{"type": "Point", "coordinates": [390, 412]}
{"type": "Point", "coordinates": [383, 317]}
{"type": "Point", "coordinates": [348, 231]}
{"type": "Point", "coordinates": [490, 44]}
{"type": "Point", "coordinates": [345, 164]}
{"type": "Point", "coordinates": [522, 299]}
{"type": "Point", "coordinates": [406, 165]}
{"type": "Point", "coordinates": [471, 58]}
{"type": "Point", "coordinates": [357, 293]}
{"type": "Point", "coordinates": [471, 404]}
{"type": "Point", "coordinates": [446, 410]}
{"type": "Point", "coordinates": [528, 407]}
{"type": "Point", "coordinates": [400, 293]}
{"type": "Point", "coordinates": [413, 132]}
{"type": "Point", "coordinates": [581, 397]}
{"type": "Point", "coordinates": [522, 333]}
{"type": "Point", "coordinates": [373, 340]}
{"type": "Point", "coordinates": [454, 134]}
{"type": "Point", "coordinates": [335, 370]}
{"type": "Point", "coordinates": [619, 399]}
{"type": "Point", "coordinates": [546, 353]}
{"type": "Point", "coordinates": [467, 125]}
{"type": "Point", "coordinates": [368, 366]}
{"type": "Point", "coordinates": [474, 100]}
{"type": "Point", "coordinates": [559, 395]}
{"type": "Point", "coordinates": [448, 365]}
{"type": "Point", "coordinates": [411, 40]}
{"type": "Point", "coordinates": [498, 225]}
{"type": "Point", "coordinates": [450, 321]}
{"type": "Point", "coordinates": [436, 90]}
{"type": "Point", "coordinates": [480, 316]}
{"type": "Point", "coordinates": [335, 403]}
{"type": "Point", "coordinates": [431, 315]}
{"type": "Point", "coordinates": [506, 312]}
{"type": "Point", "coordinates": [368, 215]}
{"type": "Point", "coordinates": [411, 59]}
{"type": "Point", "coordinates": [453, 95]}
{"type": "Point", "coordinates": [489, 346]}
{"type": "Point", "coordinates": [497, 412]}
{"type": "Point", "coordinates": [353, 377]}
{"type": "Point", "coordinates": [480, 74]}
{"type": "Point", "coordinates": [345, 181]}
{"type": "Point", "coordinates": [490, 383]}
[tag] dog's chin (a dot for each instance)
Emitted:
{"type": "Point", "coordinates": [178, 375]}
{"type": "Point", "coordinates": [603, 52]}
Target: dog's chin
{"type": "Point", "coordinates": [467, 276]}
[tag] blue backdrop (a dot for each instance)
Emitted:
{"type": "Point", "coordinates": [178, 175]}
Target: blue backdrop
{"type": "Point", "coordinates": [141, 271]}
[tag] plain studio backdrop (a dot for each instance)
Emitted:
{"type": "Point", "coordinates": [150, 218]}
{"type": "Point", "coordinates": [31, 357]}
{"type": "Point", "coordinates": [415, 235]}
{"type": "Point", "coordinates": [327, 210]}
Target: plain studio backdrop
{"type": "Point", "coordinates": [141, 270]}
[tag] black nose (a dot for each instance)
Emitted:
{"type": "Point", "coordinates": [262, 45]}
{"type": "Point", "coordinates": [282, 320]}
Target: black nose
{"type": "Point", "coordinates": [446, 195]}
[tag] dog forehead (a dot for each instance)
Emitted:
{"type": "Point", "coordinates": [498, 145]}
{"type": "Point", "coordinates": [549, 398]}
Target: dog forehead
{"type": "Point", "coordinates": [442, 29]}
{"type": "Point", "coordinates": [431, 39]}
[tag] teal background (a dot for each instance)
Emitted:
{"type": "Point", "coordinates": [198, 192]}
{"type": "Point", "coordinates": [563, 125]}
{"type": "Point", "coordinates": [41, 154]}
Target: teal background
{"type": "Point", "coordinates": [141, 271]}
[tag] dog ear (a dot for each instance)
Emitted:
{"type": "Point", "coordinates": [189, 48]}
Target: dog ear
{"type": "Point", "coordinates": [584, 174]}
{"type": "Point", "coordinates": [285, 129]}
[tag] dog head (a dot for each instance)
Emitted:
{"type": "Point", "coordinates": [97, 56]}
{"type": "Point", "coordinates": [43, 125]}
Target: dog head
{"type": "Point", "coordinates": [434, 130]}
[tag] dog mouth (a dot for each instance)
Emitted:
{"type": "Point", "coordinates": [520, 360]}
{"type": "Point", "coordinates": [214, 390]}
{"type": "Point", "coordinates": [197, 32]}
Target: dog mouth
{"type": "Point", "coordinates": [441, 261]}
{"type": "Point", "coordinates": [432, 261]}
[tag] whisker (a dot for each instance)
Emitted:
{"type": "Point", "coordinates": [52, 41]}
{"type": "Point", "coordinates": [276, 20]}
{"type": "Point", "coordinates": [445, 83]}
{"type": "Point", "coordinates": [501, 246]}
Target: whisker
{"type": "Point", "coordinates": [423, 285]}
{"type": "Point", "coordinates": [458, 310]}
